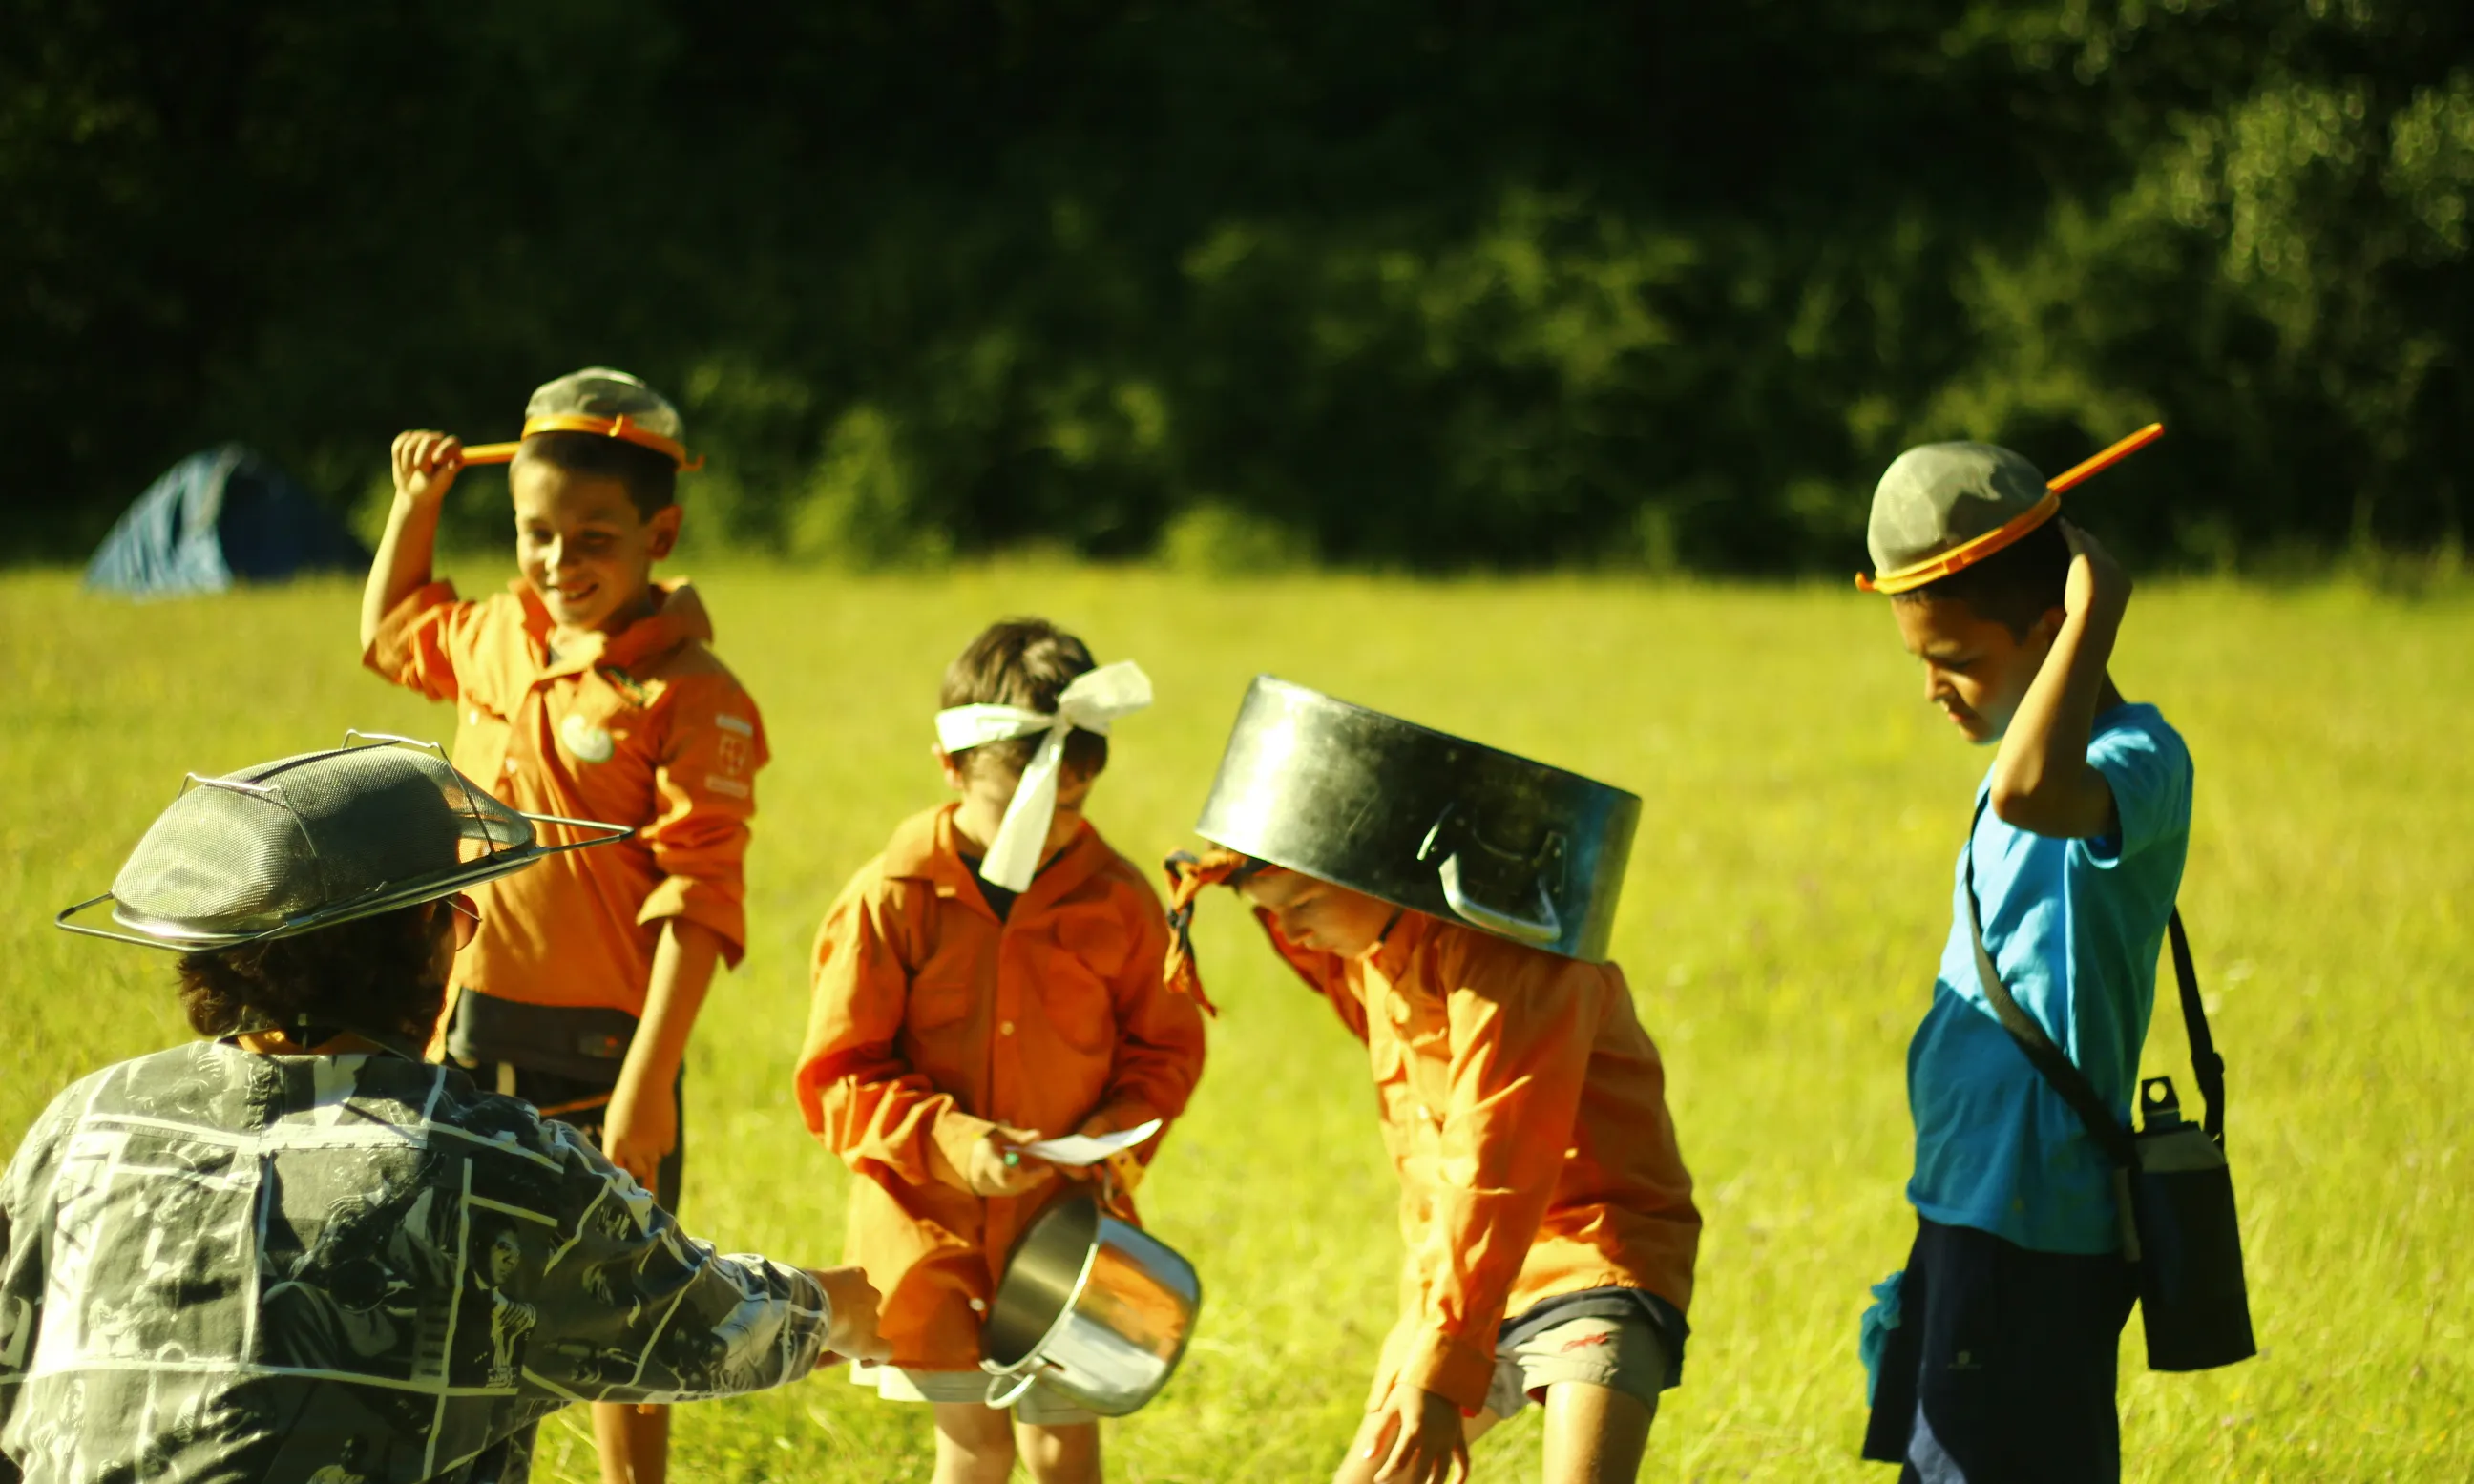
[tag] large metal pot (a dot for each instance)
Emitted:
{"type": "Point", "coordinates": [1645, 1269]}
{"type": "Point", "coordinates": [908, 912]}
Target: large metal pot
{"type": "Point", "coordinates": [1423, 819]}
{"type": "Point", "coordinates": [1093, 1306]}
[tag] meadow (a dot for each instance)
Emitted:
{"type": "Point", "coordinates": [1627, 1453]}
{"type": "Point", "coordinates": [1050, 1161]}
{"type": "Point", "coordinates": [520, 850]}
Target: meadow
{"type": "Point", "coordinates": [1787, 899]}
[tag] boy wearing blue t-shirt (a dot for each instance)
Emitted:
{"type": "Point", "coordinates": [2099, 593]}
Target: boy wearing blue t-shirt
{"type": "Point", "coordinates": [2000, 1367]}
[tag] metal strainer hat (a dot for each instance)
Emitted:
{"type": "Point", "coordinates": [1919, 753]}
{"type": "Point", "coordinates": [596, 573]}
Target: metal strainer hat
{"type": "Point", "coordinates": [305, 842]}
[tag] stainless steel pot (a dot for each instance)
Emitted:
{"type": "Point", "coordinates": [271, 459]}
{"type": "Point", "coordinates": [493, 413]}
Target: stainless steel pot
{"type": "Point", "coordinates": [1099, 1309]}
{"type": "Point", "coordinates": [1423, 819]}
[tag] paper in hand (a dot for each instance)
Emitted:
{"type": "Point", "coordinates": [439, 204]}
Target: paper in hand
{"type": "Point", "coordinates": [1079, 1149]}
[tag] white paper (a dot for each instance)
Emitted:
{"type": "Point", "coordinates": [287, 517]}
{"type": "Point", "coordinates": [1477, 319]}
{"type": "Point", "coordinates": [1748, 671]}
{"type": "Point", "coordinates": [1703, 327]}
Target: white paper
{"type": "Point", "coordinates": [1079, 1150]}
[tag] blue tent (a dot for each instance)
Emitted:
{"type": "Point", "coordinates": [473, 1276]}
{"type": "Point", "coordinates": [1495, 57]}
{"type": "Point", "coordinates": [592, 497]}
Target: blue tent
{"type": "Point", "coordinates": [216, 517]}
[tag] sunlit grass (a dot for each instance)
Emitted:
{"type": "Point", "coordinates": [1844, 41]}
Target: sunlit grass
{"type": "Point", "coordinates": [1784, 914]}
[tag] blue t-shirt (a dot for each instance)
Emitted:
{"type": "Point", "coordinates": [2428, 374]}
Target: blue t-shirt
{"type": "Point", "coordinates": [2074, 926]}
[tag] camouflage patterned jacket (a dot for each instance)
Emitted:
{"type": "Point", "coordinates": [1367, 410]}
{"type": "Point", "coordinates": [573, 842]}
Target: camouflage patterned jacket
{"type": "Point", "coordinates": [345, 1270]}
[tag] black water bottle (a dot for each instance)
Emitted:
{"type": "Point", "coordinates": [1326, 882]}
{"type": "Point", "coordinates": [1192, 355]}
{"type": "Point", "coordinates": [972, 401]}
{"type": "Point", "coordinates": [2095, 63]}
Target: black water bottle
{"type": "Point", "coordinates": [2192, 1297]}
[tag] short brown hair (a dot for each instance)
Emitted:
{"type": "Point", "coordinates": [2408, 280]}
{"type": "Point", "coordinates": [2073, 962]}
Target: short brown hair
{"type": "Point", "coordinates": [1023, 663]}
{"type": "Point", "coordinates": [373, 974]}
{"type": "Point", "coordinates": [2014, 587]}
{"type": "Point", "coordinates": [650, 478]}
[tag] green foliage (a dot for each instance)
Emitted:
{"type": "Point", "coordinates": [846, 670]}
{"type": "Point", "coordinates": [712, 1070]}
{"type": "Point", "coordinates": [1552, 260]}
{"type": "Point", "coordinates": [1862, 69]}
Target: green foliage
{"type": "Point", "coordinates": [1215, 537]}
{"type": "Point", "coordinates": [1786, 904]}
{"type": "Point", "coordinates": [1436, 286]}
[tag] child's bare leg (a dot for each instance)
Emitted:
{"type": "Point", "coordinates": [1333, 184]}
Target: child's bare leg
{"type": "Point", "coordinates": [974, 1443]}
{"type": "Point", "coordinates": [1060, 1455]}
{"type": "Point", "coordinates": [634, 1441]}
{"type": "Point", "coordinates": [1594, 1434]}
{"type": "Point", "coordinates": [1358, 1469]}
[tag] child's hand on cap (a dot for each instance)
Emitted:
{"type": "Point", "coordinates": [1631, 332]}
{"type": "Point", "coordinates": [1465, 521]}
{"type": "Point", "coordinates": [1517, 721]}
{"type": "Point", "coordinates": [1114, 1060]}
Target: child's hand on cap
{"type": "Point", "coordinates": [2097, 587]}
{"type": "Point", "coordinates": [426, 465]}
{"type": "Point", "coordinates": [998, 1171]}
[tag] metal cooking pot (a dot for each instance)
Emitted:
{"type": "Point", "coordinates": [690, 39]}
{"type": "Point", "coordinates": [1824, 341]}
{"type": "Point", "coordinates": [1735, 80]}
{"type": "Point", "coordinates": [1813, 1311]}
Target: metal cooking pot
{"type": "Point", "coordinates": [1423, 820]}
{"type": "Point", "coordinates": [1099, 1309]}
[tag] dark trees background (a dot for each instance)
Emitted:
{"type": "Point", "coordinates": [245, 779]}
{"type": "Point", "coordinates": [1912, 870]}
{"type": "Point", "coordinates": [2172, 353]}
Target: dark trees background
{"type": "Point", "coordinates": [1430, 284]}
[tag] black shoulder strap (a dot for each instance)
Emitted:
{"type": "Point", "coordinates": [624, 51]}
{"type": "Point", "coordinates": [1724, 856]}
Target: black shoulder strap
{"type": "Point", "coordinates": [2206, 1066]}
{"type": "Point", "coordinates": [2059, 1072]}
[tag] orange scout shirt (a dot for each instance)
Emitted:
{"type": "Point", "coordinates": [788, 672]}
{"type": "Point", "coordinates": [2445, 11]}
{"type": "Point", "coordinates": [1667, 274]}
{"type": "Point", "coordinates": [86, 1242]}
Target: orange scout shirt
{"type": "Point", "coordinates": [1525, 1111]}
{"type": "Point", "coordinates": [641, 727]}
{"type": "Point", "coordinates": [932, 1021]}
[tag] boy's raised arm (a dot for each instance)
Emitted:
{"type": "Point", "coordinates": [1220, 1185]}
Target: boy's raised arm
{"type": "Point", "coordinates": [2042, 780]}
{"type": "Point", "coordinates": [426, 465]}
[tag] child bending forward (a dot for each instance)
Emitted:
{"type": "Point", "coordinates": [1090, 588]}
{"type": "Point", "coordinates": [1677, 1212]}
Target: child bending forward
{"type": "Point", "coordinates": [1545, 1207]}
{"type": "Point", "coordinates": [990, 979]}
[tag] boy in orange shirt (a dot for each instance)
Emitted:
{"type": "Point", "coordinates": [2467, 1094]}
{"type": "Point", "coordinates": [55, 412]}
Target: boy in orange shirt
{"type": "Point", "coordinates": [990, 979]}
{"type": "Point", "coordinates": [1546, 1209]}
{"type": "Point", "coordinates": [586, 690]}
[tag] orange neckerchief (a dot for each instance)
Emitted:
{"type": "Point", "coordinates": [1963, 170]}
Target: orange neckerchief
{"type": "Point", "coordinates": [1187, 875]}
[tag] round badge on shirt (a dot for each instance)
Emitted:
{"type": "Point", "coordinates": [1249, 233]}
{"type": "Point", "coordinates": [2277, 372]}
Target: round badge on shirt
{"type": "Point", "coordinates": [589, 742]}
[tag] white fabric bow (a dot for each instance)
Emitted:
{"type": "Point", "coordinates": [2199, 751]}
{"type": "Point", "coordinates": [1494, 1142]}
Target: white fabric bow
{"type": "Point", "coordinates": [1095, 699]}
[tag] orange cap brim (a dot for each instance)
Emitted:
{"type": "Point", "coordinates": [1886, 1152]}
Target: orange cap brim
{"type": "Point", "coordinates": [1961, 557]}
{"type": "Point", "coordinates": [614, 427]}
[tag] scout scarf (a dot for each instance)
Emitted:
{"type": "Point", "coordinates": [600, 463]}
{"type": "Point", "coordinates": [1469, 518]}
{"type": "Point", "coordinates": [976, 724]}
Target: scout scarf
{"type": "Point", "coordinates": [1187, 875]}
{"type": "Point", "coordinates": [1095, 699]}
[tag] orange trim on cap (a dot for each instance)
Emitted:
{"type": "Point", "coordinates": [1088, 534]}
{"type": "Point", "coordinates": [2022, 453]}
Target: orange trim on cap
{"type": "Point", "coordinates": [1961, 557]}
{"type": "Point", "coordinates": [619, 427]}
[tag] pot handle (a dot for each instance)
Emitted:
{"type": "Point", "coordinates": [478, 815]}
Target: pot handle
{"type": "Point", "coordinates": [1544, 927]}
{"type": "Point", "coordinates": [1006, 1387]}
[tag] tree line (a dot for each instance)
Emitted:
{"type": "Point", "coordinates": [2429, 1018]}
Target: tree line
{"type": "Point", "coordinates": [1428, 285]}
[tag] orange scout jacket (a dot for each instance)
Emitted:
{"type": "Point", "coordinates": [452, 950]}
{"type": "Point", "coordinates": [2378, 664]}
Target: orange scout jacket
{"type": "Point", "coordinates": [1525, 1111]}
{"type": "Point", "coordinates": [641, 727]}
{"type": "Point", "coordinates": [932, 1021]}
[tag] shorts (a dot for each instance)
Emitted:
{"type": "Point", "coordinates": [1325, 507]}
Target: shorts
{"type": "Point", "coordinates": [584, 1105]}
{"type": "Point", "coordinates": [1623, 1353]}
{"type": "Point", "coordinates": [1042, 1406]}
{"type": "Point", "coordinates": [2002, 1370]}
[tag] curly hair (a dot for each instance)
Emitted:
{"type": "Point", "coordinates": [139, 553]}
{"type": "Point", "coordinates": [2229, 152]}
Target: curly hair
{"type": "Point", "coordinates": [1025, 662]}
{"type": "Point", "coordinates": [377, 974]}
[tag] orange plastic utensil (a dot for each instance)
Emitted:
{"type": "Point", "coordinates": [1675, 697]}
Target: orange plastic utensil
{"type": "Point", "coordinates": [2094, 465]}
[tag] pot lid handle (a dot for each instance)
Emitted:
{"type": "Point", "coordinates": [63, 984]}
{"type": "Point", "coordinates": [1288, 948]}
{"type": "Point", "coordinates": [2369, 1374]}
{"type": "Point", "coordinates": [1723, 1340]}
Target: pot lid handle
{"type": "Point", "coordinates": [1544, 927]}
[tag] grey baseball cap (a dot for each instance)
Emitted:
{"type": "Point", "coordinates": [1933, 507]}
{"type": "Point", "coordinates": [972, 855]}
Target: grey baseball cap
{"type": "Point", "coordinates": [608, 392]}
{"type": "Point", "coordinates": [1941, 506]}
{"type": "Point", "coordinates": [599, 399]}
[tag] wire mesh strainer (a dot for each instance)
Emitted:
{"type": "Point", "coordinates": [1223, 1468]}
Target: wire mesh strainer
{"type": "Point", "coordinates": [307, 842]}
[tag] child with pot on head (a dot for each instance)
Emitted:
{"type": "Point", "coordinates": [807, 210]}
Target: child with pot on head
{"type": "Point", "coordinates": [587, 690]}
{"type": "Point", "coordinates": [990, 979]}
{"type": "Point", "coordinates": [1995, 1351]}
{"type": "Point", "coordinates": [1544, 1205]}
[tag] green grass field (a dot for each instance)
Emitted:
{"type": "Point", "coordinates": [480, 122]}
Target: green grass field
{"type": "Point", "coordinates": [1785, 909]}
